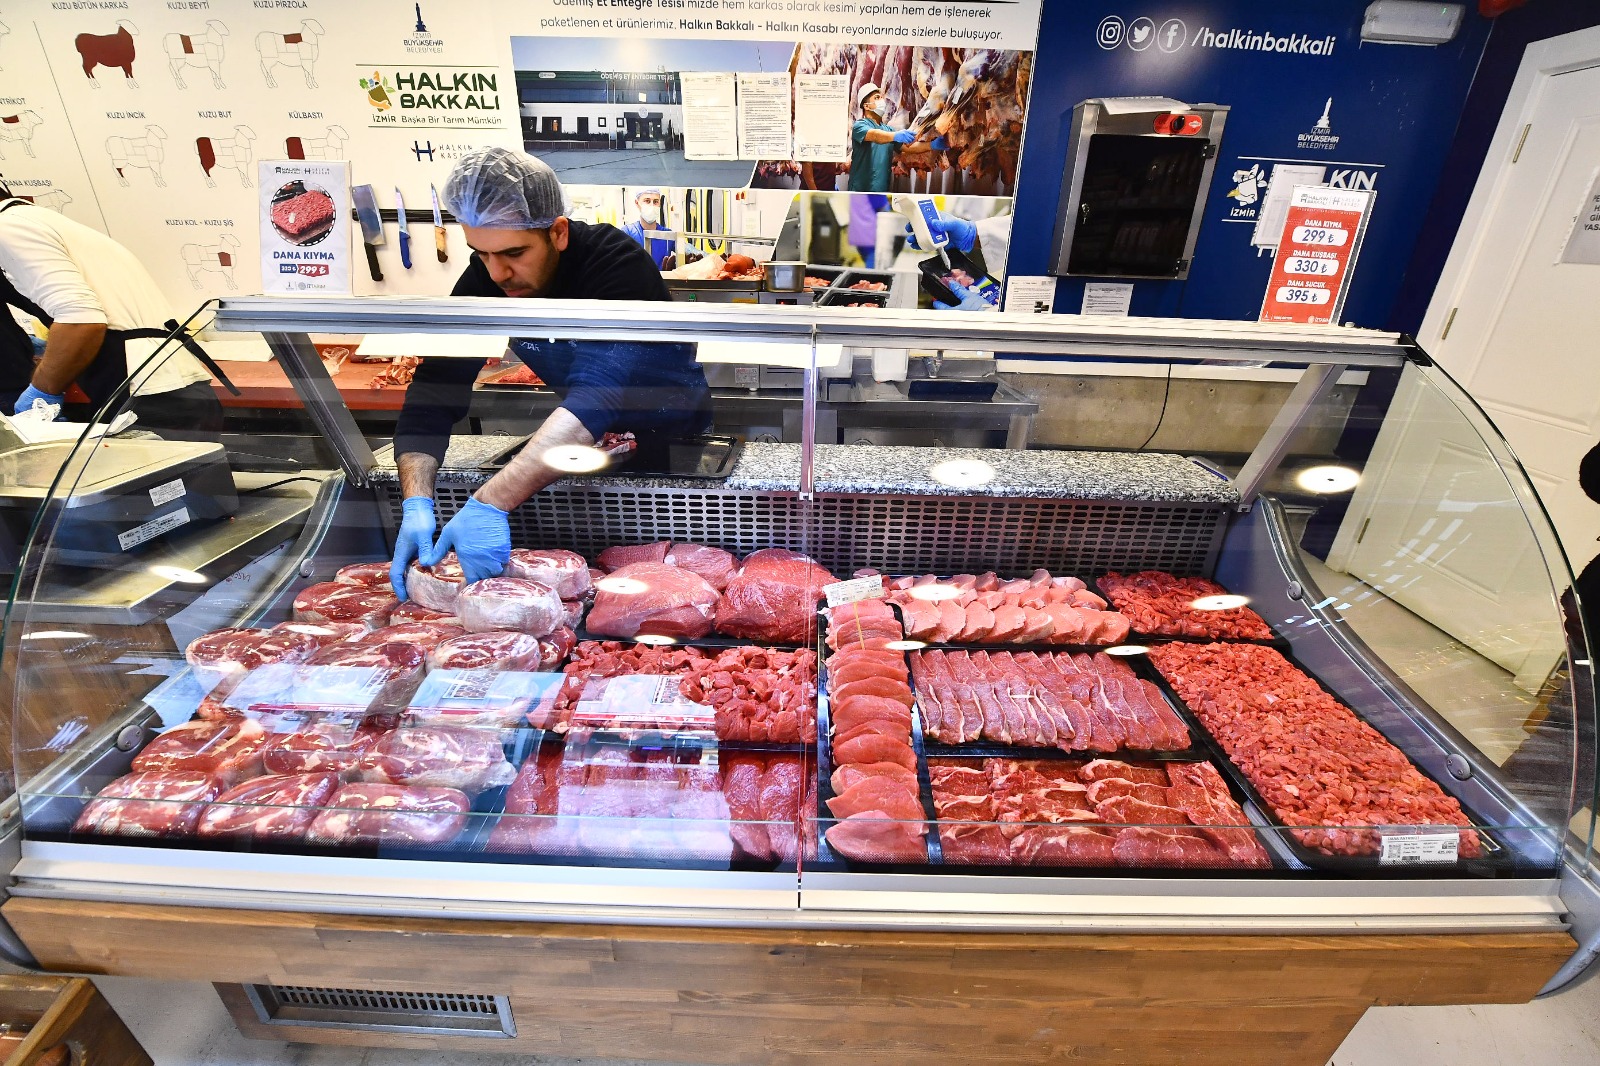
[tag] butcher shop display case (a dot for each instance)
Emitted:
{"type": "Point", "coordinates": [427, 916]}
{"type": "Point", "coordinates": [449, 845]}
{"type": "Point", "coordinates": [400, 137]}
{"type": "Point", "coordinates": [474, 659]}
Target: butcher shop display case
{"type": "Point", "coordinates": [1241, 684]}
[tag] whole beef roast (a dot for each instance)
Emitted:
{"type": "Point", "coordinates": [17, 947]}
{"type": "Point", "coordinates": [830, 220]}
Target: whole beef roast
{"type": "Point", "coordinates": [653, 598]}
{"type": "Point", "coordinates": [773, 597]}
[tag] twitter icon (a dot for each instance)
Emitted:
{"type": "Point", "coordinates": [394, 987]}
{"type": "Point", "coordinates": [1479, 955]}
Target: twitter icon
{"type": "Point", "coordinates": [1141, 33]}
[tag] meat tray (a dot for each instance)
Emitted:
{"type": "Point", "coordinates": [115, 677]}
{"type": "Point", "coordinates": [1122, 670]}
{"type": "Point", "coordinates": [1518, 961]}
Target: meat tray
{"type": "Point", "coordinates": [1496, 856]}
{"type": "Point", "coordinates": [1277, 640]}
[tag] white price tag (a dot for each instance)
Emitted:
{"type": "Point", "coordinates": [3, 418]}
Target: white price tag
{"type": "Point", "coordinates": [1295, 295]}
{"type": "Point", "coordinates": [861, 588]}
{"type": "Point", "coordinates": [1321, 236]}
{"type": "Point", "coordinates": [153, 528]}
{"type": "Point", "coordinates": [166, 493]}
{"type": "Point", "coordinates": [1416, 849]}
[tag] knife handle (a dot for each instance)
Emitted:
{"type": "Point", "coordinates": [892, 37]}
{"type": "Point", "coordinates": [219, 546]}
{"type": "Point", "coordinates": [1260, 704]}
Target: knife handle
{"type": "Point", "coordinates": [372, 260]}
{"type": "Point", "coordinates": [438, 244]}
{"type": "Point", "coordinates": [405, 249]}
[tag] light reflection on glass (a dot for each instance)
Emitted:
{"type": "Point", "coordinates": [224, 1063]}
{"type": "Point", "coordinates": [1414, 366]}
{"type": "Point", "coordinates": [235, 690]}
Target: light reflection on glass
{"type": "Point", "coordinates": [1219, 603]}
{"type": "Point", "coordinates": [576, 458]}
{"type": "Point", "coordinates": [1327, 478]}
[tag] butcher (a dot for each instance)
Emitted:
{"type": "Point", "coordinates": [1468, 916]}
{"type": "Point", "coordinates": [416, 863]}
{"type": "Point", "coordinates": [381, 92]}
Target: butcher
{"type": "Point", "coordinates": [511, 210]}
{"type": "Point", "coordinates": [648, 203]}
{"type": "Point", "coordinates": [874, 143]}
{"type": "Point", "coordinates": [106, 318]}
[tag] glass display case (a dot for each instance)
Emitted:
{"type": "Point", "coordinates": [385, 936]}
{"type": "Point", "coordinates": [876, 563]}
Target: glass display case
{"type": "Point", "coordinates": [1160, 658]}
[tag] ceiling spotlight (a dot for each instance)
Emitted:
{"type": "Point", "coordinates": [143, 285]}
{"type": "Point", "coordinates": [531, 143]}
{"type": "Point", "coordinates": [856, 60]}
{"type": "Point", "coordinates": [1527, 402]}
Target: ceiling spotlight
{"type": "Point", "coordinates": [576, 458]}
{"type": "Point", "coordinates": [655, 638]}
{"type": "Point", "coordinates": [1327, 478]}
{"type": "Point", "coordinates": [1219, 603]}
{"type": "Point", "coordinates": [962, 473]}
{"type": "Point", "coordinates": [905, 645]}
{"type": "Point", "coordinates": [622, 586]}
{"type": "Point", "coordinates": [933, 593]}
{"type": "Point", "coordinates": [179, 574]}
{"type": "Point", "coordinates": [1128, 649]}
{"type": "Point", "coordinates": [56, 634]}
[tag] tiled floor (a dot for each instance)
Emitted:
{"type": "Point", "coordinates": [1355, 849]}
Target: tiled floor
{"type": "Point", "coordinates": [184, 1024]}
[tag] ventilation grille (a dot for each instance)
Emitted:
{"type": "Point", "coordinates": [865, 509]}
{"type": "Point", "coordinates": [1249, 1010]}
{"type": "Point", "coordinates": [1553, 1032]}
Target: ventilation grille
{"type": "Point", "coordinates": [897, 534]}
{"type": "Point", "coordinates": [455, 1013]}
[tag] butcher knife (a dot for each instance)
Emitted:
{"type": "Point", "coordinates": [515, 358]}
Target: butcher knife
{"type": "Point", "coordinates": [371, 226]}
{"type": "Point", "coordinates": [405, 230]}
{"type": "Point", "coordinates": [438, 227]}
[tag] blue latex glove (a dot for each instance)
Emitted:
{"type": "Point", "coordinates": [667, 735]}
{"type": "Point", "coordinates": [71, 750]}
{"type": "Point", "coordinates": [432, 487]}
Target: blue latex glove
{"type": "Point", "coordinates": [939, 143]}
{"type": "Point", "coordinates": [415, 539]}
{"type": "Point", "coordinates": [904, 137]}
{"type": "Point", "coordinates": [971, 300]}
{"type": "Point", "coordinates": [963, 234]}
{"type": "Point", "coordinates": [480, 535]}
{"type": "Point", "coordinates": [32, 393]}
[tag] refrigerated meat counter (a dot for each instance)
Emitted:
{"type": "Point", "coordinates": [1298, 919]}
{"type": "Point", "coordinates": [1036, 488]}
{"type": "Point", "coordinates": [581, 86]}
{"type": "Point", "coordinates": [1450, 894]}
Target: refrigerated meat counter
{"type": "Point", "coordinates": [1085, 745]}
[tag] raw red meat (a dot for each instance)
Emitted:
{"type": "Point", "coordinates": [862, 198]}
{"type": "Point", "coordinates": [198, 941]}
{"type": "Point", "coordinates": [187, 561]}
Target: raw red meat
{"type": "Point", "coordinates": [1063, 846]}
{"type": "Point", "coordinates": [614, 559]}
{"type": "Point", "coordinates": [1159, 603]}
{"type": "Point", "coordinates": [986, 609]}
{"type": "Point", "coordinates": [876, 748]}
{"type": "Point", "coordinates": [367, 813]}
{"type": "Point", "coordinates": [894, 797]}
{"type": "Point", "coordinates": [1101, 769]}
{"type": "Point", "coordinates": [367, 575]}
{"type": "Point", "coordinates": [150, 804]}
{"type": "Point", "coordinates": [567, 573]}
{"type": "Point", "coordinates": [781, 790]}
{"type": "Point", "coordinates": [713, 564]}
{"type": "Point", "coordinates": [574, 613]}
{"type": "Point", "coordinates": [1139, 846]}
{"type": "Point", "coordinates": [845, 776]}
{"type": "Point", "coordinates": [436, 587]}
{"type": "Point", "coordinates": [882, 687]}
{"type": "Point", "coordinates": [398, 661]}
{"type": "Point", "coordinates": [325, 745]}
{"type": "Point", "coordinates": [229, 751]}
{"type": "Point", "coordinates": [469, 760]}
{"type": "Point", "coordinates": [773, 597]}
{"type": "Point", "coordinates": [1133, 811]}
{"type": "Point", "coordinates": [741, 787]}
{"type": "Point", "coordinates": [224, 654]}
{"type": "Point", "coordinates": [325, 633]}
{"type": "Point", "coordinates": [330, 601]}
{"type": "Point", "coordinates": [412, 611]}
{"type": "Point", "coordinates": [269, 808]}
{"type": "Point", "coordinates": [302, 217]}
{"type": "Point", "coordinates": [510, 603]}
{"type": "Point", "coordinates": [758, 694]}
{"type": "Point", "coordinates": [653, 598]}
{"type": "Point", "coordinates": [872, 836]}
{"type": "Point", "coordinates": [423, 635]}
{"type": "Point", "coordinates": [488, 651]}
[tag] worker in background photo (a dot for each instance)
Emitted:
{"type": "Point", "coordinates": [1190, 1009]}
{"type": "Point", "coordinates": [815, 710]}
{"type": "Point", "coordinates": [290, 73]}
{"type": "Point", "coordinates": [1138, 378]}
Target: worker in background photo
{"type": "Point", "coordinates": [513, 216]}
{"type": "Point", "coordinates": [989, 239]}
{"type": "Point", "coordinates": [648, 203]}
{"type": "Point", "coordinates": [106, 317]}
{"type": "Point", "coordinates": [874, 144]}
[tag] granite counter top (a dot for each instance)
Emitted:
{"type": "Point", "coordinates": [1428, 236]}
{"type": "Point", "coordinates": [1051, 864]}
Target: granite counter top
{"type": "Point", "coordinates": [1156, 477]}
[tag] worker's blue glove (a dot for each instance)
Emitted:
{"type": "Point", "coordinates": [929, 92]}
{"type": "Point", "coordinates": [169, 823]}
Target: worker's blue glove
{"type": "Point", "coordinates": [480, 535]}
{"type": "Point", "coordinates": [939, 143]}
{"type": "Point", "coordinates": [416, 537]}
{"type": "Point", "coordinates": [904, 137]}
{"type": "Point", "coordinates": [32, 393]}
{"type": "Point", "coordinates": [971, 300]}
{"type": "Point", "coordinates": [963, 234]}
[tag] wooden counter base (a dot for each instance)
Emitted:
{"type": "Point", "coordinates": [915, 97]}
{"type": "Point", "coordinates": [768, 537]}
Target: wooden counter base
{"type": "Point", "coordinates": [804, 997]}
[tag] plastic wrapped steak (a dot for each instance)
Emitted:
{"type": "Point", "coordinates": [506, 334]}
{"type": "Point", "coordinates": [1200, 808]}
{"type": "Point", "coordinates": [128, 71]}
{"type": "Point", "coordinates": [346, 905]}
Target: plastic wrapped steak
{"type": "Point", "coordinates": [510, 603]}
{"type": "Point", "coordinates": [653, 598]}
{"type": "Point", "coordinates": [467, 759]}
{"type": "Point", "coordinates": [436, 587]}
{"type": "Point", "coordinates": [150, 804]}
{"type": "Point", "coordinates": [228, 750]}
{"type": "Point", "coordinates": [224, 654]}
{"type": "Point", "coordinates": [332, 601]}
{"type": "Point", "coordinates": [773, 597]}
{"type": "Point", "coordinates": [277, 807]}
{"type": "Point", "coordinates": [567, 573]}
{"type": "Point", "coordinates": [376, 813]}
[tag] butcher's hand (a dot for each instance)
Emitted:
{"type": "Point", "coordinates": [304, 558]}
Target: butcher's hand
{"type": "Point", "coordinates": [963, 234]}
{"type": "Point", "coordinates": [480, 535]}
{"type": "Point", "coordinates": [415, 539]}
{"type": "Point", "coordinates": [32, 393]}
{"type": "Point", "coordinates": [904, 137]}
{"type": "Point", "coordinates": [971, 300]}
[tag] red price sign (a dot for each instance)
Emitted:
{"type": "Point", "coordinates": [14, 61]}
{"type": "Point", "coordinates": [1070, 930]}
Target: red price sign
{"type": "Point", "coordinates": [1316, 254]}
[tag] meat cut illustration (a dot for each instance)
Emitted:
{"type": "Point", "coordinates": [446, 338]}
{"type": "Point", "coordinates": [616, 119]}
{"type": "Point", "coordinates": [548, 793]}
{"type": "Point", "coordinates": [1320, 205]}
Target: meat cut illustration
{"type": "Point", "coordinates": [216, 258]}
{"type": "Point", "coordinates": [202, 50]}
{"type": "Point", "coordinates": [108, 50]}
{"type": "Point", "coordinates": [297, 50]}
{"type": "Point", "coordinates": [55, 199]}
{"type": "Point", "coordinates": [227, 152]}
{"type": "Point", "coordinates": [19, 128]}
{"type": "Point", "coordinates": [329, 146]}
{"type": "Point", "coordinates": [145, 152]}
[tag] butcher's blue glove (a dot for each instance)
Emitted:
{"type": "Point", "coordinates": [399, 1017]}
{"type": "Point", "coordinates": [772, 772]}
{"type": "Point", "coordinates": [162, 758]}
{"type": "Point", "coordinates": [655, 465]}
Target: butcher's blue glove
{"type": "Point", "coordinates": [32, 393]}
{"type": "Point", "coordinates": [904, 137]}
{"type": "Point", "coordinates": [963, 234]}
{"type": "Point", "coordinates": [416, 537]}
{"type": "Point", "coordinates": [971, 300]}
{"type": "Point", "coordinates": [480, 535]}
{"type": "Point", "coordinates": [939, 143]}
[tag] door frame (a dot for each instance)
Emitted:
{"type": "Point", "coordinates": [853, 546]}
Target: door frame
{"type": "Point", "coordinates": [1541, 61]}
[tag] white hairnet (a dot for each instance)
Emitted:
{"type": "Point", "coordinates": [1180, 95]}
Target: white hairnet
{"type": "Point", "coordinates": [501, 189]}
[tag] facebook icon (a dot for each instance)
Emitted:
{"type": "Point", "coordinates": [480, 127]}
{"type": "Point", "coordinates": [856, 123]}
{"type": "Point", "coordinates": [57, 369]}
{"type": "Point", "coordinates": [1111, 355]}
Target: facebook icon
{"type": "Point", "coordinates": [1174, 34]}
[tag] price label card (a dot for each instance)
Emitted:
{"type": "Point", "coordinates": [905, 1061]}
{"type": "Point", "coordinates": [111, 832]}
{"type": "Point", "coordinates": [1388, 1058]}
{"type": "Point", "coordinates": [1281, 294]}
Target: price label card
{"type": "Point", "coordinates": [1417, 849]}
{"type": "Point", "coordinates": [862, 588]}
{"type": "Point", "coordinates": [1317, 251]}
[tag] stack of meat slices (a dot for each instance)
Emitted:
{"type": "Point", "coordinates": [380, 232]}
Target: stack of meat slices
{"type": "Point", "coordinates": [758, 694]}
{"type": "Point", "coordinates": [1072, 702]}
{"type": "Point", "coordinates": [880, 817]}
{"type": "Point", "coordinates": [1009, 812]}
{"type": "Point", "coordinates": [565, 573]}
{"type": "Point", "coordinates": [767, 795]}
{"type": "Point", "coordinates": [1159, 604]}
{"type": "Point", "coordinates": [989, 609]}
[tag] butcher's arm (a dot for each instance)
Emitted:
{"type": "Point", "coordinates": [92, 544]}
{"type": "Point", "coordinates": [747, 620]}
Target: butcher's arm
{"type": "Point", "coordinates": [417, 473]}
{"type": "Point", "coordinates": [68, 351]}
{"type": "Point", "coordinates": [916, 148]}
{"type": "Point", "coordinates": [527, 473]}
{"type": "Point", "coordinates": [877, 136]}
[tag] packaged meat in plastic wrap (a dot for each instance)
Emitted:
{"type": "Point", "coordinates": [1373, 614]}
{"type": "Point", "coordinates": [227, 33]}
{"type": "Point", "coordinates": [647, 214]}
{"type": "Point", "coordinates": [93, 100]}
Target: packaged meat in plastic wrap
{"type": "Point", "coordinates": [322, 743]}
{"type": "Point", "coordinates": [773, 597]}
{"type": "Point", "coordinates": [615, 558]}
{"type": "Point", "coordinates": [565, 572]}
{"type": "Point", "coordinates": [467, 759]}
{"type": "Point", "coordinates": [375, 813]}
{"type": "Point", "coordinates": [510, 603]}
{"type": "Point", "coordinates": [367, 575]}
{"type": "Point", "coordinates": [330, 601]}
{"type": "Point", "coordinates": [483, 698]}
{"type": "Point", "coordinates": [324, 633]}
{"type": "Point", "coordinates": [150, 804]}
{"type": "Point", "coordinates": [713, 564]}
{"type": "Point", "coordinates": [488, 651]}
{"type": "Point", "coordinates": [229, 751]}
{"type": "Point", "coordinates": [412, 611]}
{"type": "Point", "coordinates": [655, 599]}
{"type": "Point", "coordinates": [423, 635]}
{"type": "Point", "coordinates": [348, 678]}
{"type": "Point", "coordinates": [574, 613]}
{"type": "Point", "coordinates": [225, 654]}
{"type": "Point", "coordinates": [277, 807]}
{"type": "Point", "coordinates": [436, 586]}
